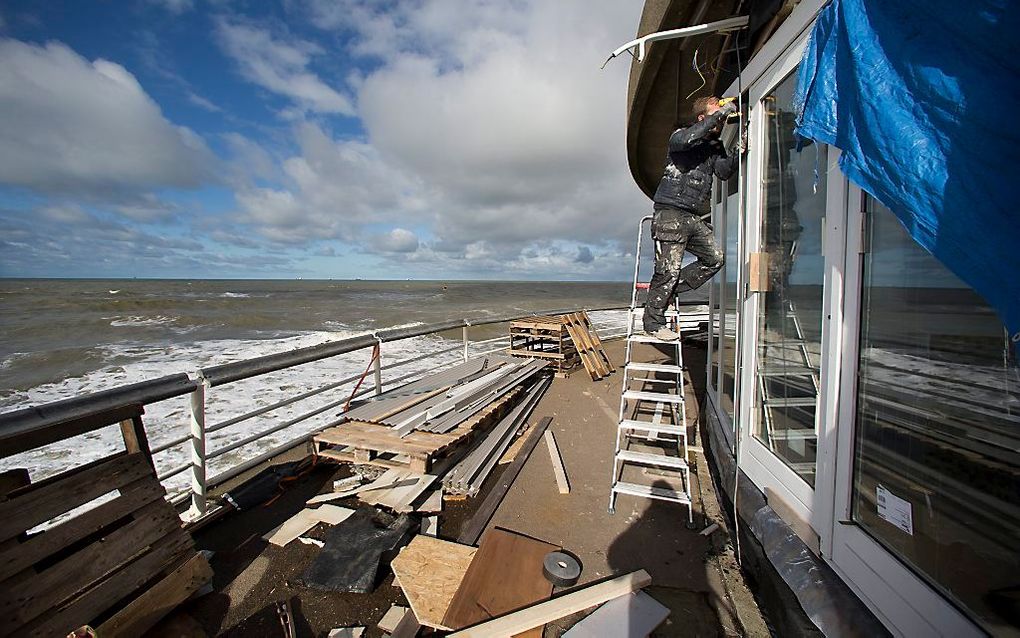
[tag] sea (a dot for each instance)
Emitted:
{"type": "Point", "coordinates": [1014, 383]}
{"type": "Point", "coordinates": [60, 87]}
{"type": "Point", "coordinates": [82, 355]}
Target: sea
{"type": "Point", "coordinates": [63, 338]}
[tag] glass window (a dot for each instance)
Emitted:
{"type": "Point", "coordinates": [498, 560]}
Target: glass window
{"type": "Point", "coordinates": [789, 315]}
{"type": "Point", "coordinates": [729, 297]}
{"type": "Point", "coordinates": [937, 467]}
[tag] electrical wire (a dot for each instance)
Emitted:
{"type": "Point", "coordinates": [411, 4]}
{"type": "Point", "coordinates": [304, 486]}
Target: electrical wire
{"type": "Point", "coordinates": [698, 70]}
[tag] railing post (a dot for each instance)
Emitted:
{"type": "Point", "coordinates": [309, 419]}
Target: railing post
{"type": "Point", "coordinates": [377, 369]}
{"type": "Point", "coordinates": [198, 484]}
{"type": "Point", "coordinates": [466, 342]}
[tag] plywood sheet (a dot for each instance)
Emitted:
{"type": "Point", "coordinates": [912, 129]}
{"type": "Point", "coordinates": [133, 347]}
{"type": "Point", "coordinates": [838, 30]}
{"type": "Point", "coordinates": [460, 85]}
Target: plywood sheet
{"type": "Point", "coordinates": [506, 574]}
{"type": "Point", "coordinates": [305, 520]}
{"type": "Point", "coordinates": [430, 571]}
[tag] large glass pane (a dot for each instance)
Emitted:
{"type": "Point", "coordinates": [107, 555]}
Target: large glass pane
{"type": "Point", "coordinates": [789, 315]}
{"type": "Point", "coordinates": [729, 297]}
{"type": "Point", "coordinates": [937, 474]}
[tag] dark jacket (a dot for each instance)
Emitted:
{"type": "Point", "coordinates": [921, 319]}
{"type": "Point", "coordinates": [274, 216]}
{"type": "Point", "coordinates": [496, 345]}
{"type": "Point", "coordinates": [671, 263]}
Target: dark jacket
{"type": "Point", "coordinates": [694, 154]}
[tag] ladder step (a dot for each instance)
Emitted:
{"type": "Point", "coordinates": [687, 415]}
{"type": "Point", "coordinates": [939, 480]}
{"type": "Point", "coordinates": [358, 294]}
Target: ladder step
{"type": "Point", "coordinates": [646, 491]}
{"type": "Point", "coordinates": [658, 397]}
{"type": "Point", "coordinates": [655, 367]}
{"type": "Point", "coordinates": [650, 458]}
{"type": "Point", "coordinates": [640, 312]}
{"type": "Point", "coordinates": [643, 338]}
{"type": "Point", "coordinates": [657, 428]}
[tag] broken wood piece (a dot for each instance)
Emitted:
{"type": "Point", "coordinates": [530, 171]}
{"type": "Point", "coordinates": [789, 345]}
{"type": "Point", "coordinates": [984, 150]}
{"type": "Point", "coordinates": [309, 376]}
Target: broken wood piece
{"type": "Point", "coordinates": [390, 619]}
{"type": "Point", "coordinates": [346, 632]}
{"type": "Point", "coordinates": [504, 575]}
{"type": "Point", "coordinates": [557, 462]}
{"type": "Point", "coordinates": [408, 627]}
{"type": "Point", "coordinates": [635, 614]}
{"type": "Point", "coordinates": [323, 498]}
{"type": "Point", "coordinates": [305, 520]}
{"type": "Point", "coordinates": [432, 504]}
{"type": "Point", "coordinates": [349, 483]}
{"type": "Point", "coordinates": [708, 530]}
{"type": "Point", "coordinates": [556, 608]}
{"type": "Point", "coordinates": [430, 525]}
{"type": "Point", "coordinates": [429, 571]}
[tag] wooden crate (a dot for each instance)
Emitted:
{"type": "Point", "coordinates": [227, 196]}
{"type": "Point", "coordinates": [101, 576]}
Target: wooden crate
{"type": "Point", "coordinates": [379, 444]}
{"type": "Point", "coordinates": [544, 337]}
{"type": "Point", "coordinates": [120, 565]}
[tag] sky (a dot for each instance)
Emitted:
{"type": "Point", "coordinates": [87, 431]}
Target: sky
{"type": "Point", "coordinates": [426, 139]}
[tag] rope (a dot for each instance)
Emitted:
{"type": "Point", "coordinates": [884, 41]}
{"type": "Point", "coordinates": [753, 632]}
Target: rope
{"type": "Point", "coordinates": [368, 368]}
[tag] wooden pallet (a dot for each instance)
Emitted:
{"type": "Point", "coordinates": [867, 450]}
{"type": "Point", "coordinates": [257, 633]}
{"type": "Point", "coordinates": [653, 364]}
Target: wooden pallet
{"type": "Point", "coordinates": [378, 444]}
{"type": "Point", "coordinates": [121, 565]}
{"type": "Point", "coordinates": [589, 346]}
{"type": "Point", "coordinates": [544, 337]}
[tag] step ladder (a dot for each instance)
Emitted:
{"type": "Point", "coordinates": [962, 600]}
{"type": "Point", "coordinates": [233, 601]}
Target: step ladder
{"type": "Point", "coordinates": [651, 393]}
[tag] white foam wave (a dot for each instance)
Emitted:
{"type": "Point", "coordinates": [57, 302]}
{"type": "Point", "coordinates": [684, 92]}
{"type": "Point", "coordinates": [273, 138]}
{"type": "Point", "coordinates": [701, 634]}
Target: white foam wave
{"type": "Point", "coordinates": [138, 321]}
{"type": "Point", "coordinates": [235, 295]}
{"type": "Point", "coordinates": [170, 419]}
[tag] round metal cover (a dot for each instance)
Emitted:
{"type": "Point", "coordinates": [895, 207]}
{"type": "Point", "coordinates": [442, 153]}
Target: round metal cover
{"type": "Point", "coordinates": [561, 569]}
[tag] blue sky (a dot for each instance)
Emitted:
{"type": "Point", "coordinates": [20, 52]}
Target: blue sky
{"type": "Point", "coordinates": [306, 138]}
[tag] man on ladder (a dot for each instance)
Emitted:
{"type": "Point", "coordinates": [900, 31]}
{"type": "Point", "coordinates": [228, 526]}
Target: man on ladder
{"type": "Point", "coordinates": [681, 203]}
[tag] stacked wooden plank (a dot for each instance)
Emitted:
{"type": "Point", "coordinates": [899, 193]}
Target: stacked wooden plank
{"type": "Point", "coordinates": [412, 426]}
{"type": "Point", "coordinates": [544, 337]}
{"type": "Point", "coordinates": [120, 565]}
{"type": "Point", "coordinates": [564, 339]}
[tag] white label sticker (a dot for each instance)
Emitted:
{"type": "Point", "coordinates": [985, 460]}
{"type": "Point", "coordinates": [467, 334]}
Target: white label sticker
{"type": "Point", "coordinates": [894, 509]}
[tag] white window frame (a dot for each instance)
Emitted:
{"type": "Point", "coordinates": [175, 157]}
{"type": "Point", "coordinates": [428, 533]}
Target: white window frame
{"type": "Point", "coordinates": [906, 604]}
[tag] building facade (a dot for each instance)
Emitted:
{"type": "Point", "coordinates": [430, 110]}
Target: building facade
{"type": "Point", "coordinates": [869, 399]}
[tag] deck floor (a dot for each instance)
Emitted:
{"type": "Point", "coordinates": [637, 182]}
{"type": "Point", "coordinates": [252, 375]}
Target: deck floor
{"type": "Point", "coordinates": [695, 576]}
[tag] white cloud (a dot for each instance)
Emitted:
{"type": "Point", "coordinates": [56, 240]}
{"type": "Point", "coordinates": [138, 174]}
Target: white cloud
{"type": "Point", "coordinates": [398, 240]}
{"type": "Point", "coordinates": [74, 126]}
{"type": "Point", "coordinates": [176, 7]}
{"type": "Point", "coordinates": [281, 67]}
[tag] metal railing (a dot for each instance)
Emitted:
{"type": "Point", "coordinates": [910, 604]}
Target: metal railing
{"type": "Point", "coordinates": [199, 384]}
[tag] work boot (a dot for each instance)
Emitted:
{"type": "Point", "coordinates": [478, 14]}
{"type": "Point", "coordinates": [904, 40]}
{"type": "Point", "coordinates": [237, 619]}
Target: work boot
{"type": "Point", "coordinates": [664, 334]}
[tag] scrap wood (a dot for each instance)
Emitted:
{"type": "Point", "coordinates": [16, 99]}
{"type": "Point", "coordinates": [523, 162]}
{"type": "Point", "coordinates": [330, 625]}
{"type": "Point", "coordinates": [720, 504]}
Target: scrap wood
{"type": "Point", "coordinates": [556, 608]}
{"type": "Point", "coordinates": [504, 575]}
{"type": "Point", "coordinates": [429, 571]}
{"type": "Point", "coordinates": [433, 503]}
{"type": "Point", "coordinates": [304, 521]}
{"type": "Point", "coordinates": [469, 535]}
{"type": "Point", "coordinates": [408, 627]}
{"type": "Point", "coordinates": [346, 632]}
{"type": "Point", "coordinates": [375, 485]}
{"type": "Point", "coordinates": [390, 619]}
{"type": "Point", "coordinates": [430, 525]}
{"type": "Point", "coordinates": [557, 463]}
{"type": "Point", "coordinates": [635, 614]}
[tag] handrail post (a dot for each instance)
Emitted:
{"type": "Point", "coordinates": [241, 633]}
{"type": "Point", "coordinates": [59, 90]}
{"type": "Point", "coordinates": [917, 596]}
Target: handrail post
{"type": "Point", "coordinates": [377, 369]}
{"type": "Point", "coordinates": [465, 333]}
{"type": "Point", "coordinates": [198, 458]}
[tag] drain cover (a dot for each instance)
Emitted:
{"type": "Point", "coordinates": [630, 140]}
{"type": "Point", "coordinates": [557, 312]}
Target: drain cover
{"type": "Point", "coordinates": [561, 569]}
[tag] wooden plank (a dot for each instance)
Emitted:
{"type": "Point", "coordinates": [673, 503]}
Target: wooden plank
{"type": "Point", "coordinates": [323, 498]}
{"type": "Point", "coordinates": [391, 618]}
{"type": "Point", "coordinates": [90, 604]}
{"type": "Point", "coordinates": [505, 574]}
{"type": "Point", "coordinates": [408, 627]}
{"type": "Point", "coordinates": [557, 463]}
{"type": "Point", "coordinates": [587, 359]}
{"type": "Point", "coordinates": [556, 608]}
{"type": "Point", "coordinates": [135, 441]}
{"type": "Point", "coordinates": [596, 340]}
{"type": "Point", "coordinates": [430, 525]}
{"type": "Point", "coordinates": [429, 571]}
{"type": "Point", "coordinates": [305, 520]}
{"type": "Point", "coordinates": [13, 479]}
{"type": "Point", "coordinates": [470, 533]}
{"type": "Point", "coordinates": [432, 504]}
{"type": "Point", "coordinates": [39, 546]}
{"type": "Point", "coordinates": [589, 345]}
{"type": "Point", "coordinates": [40, 502]}
{"type": "Point", "coordinates": [22, 601]}
{"type": "Point", "coordinates": [14, 440]}
{"type": "Point", "coordinates": [632, 616]}
{"type": "Point", "coordinates": [145, 611]}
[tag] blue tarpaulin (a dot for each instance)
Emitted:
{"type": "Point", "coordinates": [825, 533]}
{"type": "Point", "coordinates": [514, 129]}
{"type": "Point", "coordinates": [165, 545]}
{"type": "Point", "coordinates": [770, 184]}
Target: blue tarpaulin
{"type": "Point", "coordinates": [921, 97]}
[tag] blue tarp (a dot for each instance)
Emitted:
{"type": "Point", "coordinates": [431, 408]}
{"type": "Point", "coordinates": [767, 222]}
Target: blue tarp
{"type": "Point", "coordinates": [921, 97]}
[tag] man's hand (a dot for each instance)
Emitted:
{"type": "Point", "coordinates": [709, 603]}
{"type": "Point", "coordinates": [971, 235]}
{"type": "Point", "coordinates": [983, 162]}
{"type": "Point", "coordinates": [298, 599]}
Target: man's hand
{"type": "Point", "coordinates": [729, 108]}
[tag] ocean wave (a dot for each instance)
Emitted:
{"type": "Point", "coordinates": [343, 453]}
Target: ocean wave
{"type": "Point", "coordinates": [139, 321]}
{"type": "Point", "coordinates": [170, 418]}
{"type": "Point", "coordinates": [234, 295]}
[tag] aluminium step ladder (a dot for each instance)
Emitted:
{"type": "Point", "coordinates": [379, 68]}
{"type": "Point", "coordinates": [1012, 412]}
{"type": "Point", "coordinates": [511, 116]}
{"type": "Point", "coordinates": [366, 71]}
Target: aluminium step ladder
{"type": "Point", "coordinates": [651, 391]}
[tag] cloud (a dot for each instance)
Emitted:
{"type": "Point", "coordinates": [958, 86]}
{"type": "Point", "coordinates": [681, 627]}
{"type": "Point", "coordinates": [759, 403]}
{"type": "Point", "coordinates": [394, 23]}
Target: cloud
{"type": "Point", "coordinates": [176, 7]}
{"type": "Point", "coordinates": [281, 67]}
{"type": "Point", "coordinates": [398, 240]}
{"type": "Point", "coordinates": [88, 128]}
{"type": "Point", "coordinates": [584, 255]}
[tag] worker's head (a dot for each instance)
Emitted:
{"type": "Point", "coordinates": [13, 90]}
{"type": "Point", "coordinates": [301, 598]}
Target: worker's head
{"type": "Point", "coordinates": [704, 106]}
